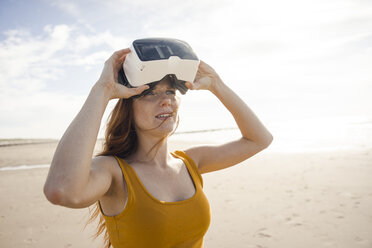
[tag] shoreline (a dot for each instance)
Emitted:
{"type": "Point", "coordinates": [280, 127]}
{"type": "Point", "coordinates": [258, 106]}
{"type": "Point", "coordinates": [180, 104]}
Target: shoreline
{"type": "Point", "coordinates": [20, 142]}
{"type": "Point", "coordinates": [39, 152]}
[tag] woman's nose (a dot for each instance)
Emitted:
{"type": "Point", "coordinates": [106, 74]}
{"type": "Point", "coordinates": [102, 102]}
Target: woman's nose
{"type": "Point", "coordinates": [165, 101]}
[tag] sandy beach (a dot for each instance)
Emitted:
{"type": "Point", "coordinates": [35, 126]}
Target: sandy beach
{"type": "Point", "coordinates": [272, 200]}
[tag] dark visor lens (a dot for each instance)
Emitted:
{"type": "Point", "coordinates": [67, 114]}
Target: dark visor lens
{"type": "Point", "coordinates": [157, 49]}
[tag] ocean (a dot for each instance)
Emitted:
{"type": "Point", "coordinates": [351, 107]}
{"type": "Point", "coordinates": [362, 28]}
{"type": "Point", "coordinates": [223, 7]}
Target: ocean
{"type": "Point", "coordinates": [295, 136]}
{"type": "Point", "coordinates": [301, 136]}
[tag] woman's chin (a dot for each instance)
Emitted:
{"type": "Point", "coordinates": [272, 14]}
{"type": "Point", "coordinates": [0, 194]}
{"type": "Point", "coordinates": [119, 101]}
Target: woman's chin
{"type": "Point", "coordinates": [166, 128]}
{"type": "Point", "coordinates": [165, 131]}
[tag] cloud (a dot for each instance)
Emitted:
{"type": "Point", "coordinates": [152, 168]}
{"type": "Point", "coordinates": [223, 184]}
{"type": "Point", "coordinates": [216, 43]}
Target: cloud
{"type": "Point", "coordinates": [287, 51]}
{"type": "Point", "coordinates": [29, 66]}
{"type": "Point", "coordinates": [27, 62]}
{"type": "Point", "coordinates": [69, 7]}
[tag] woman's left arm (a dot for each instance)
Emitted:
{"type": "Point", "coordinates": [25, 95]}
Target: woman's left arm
{"type": "Point", "coordinates": [255, 137]}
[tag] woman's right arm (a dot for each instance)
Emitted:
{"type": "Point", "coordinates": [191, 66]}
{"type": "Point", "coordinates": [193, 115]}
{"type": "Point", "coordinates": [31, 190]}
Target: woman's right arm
{"type": "Point", "coordinates": [74, 179]}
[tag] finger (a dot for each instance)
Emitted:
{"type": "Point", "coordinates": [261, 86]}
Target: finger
{"type": "Point", "coordinates": [121, 59]}
{"type": "Point", "coordinates": [198, 77]}
{"type": "Point", "coordinates": [203, 63]}
{"type": "Point", "coordinates": [202, 68]}
{"type": "Point", "coordinates": [117, 55]}
{"type": "Point", "coordinates": [126, 92]}
{"type": "Point", "coordinates": [120, 53]}
{"type": "Point", "coordinates": [191, 86]}
{"type": "Point", "coordinates": [120, 62]}
{"type": "Point", "coordinates": [205, 68]}
{"type": "Point", "coordinates": [137, 90]}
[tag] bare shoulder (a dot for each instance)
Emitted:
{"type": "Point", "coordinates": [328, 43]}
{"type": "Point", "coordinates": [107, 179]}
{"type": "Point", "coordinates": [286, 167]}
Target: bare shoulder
{"type": "Point", "coordinates": [216, 157]}
{"type": "Point", "coordinates": [107, 164]}
{"type": "Point", "coordinates": [114, 199]}
{"type": "Point", "coordinates": [194, 153]}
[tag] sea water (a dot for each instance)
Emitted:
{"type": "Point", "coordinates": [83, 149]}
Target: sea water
{"type": "Point", "coordinates": [294, 136]}
{"type": "Point", "coordinates": [297, 136]}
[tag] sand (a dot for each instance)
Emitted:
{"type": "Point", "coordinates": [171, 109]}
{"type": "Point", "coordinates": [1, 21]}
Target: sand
{"type": "Point", "coordinates": [271, 200]}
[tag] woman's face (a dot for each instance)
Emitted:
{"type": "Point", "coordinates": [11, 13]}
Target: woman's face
{"type": "Point", "coordinates": [157, 111]}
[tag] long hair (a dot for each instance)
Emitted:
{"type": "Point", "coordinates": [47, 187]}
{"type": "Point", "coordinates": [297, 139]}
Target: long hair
{"type": "Point", "coordinates": [120, 140]}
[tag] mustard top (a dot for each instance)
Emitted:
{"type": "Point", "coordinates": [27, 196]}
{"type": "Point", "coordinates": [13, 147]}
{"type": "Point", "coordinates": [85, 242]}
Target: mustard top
{"type": "Point", "coordinates": [149, 222]}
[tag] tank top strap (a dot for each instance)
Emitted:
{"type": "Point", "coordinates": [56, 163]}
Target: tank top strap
{"type": "Point", "coordinates": [131, 183]}
{"type": "Point", "coordinates": [190, 164]}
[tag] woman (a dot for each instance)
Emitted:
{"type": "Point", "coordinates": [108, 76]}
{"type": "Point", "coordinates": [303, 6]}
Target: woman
{"type": "Point", "coordinates": [147, 195]}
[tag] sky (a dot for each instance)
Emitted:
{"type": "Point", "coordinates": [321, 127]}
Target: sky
{"type": "Point", "coordinates": [295, 63]}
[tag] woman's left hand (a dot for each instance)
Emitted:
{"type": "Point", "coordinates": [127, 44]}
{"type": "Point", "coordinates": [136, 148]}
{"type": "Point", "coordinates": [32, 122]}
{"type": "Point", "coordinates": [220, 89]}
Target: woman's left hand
{"type": "Point", "coordinates": [206, 78]}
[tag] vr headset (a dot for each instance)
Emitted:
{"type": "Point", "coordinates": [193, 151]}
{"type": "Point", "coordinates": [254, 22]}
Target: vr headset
{"type": "Point", "coordinates": [150, 60]}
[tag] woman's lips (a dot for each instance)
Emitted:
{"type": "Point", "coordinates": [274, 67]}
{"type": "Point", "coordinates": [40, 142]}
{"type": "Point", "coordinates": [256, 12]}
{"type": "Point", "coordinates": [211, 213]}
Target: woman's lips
{"type": "Point", "coordinates": [164, 116]}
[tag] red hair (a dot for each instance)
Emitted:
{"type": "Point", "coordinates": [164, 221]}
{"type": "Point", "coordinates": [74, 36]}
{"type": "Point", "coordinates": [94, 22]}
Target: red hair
{"type": "Point", "coordinates": [121, 141]}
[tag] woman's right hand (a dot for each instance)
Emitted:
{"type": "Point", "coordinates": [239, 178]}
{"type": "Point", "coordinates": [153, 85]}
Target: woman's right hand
{"type": "Point", "coordinates": [108, 80]}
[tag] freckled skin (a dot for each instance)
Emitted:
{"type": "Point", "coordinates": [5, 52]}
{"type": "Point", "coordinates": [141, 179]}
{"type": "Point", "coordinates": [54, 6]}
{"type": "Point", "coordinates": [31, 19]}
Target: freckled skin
{"type": "Point", "coordinates": [163, 99]}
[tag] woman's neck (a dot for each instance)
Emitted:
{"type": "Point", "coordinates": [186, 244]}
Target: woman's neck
{"type": "Point", "coordinates": [152, 151]}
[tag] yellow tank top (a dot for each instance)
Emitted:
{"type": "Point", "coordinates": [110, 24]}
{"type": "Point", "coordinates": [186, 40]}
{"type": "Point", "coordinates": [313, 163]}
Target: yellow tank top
{"type": "Point", "coordinates": [148, 222]}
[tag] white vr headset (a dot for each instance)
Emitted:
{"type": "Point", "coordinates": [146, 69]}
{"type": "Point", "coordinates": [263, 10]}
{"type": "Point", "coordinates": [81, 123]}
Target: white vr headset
{"type": "Point", "coordinates": [150, 60]}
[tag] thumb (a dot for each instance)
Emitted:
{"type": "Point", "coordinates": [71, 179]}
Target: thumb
{"type": "Point", "coordinates": [190, 85]}
{"type": "Point", "coordinates": [126, 92]}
